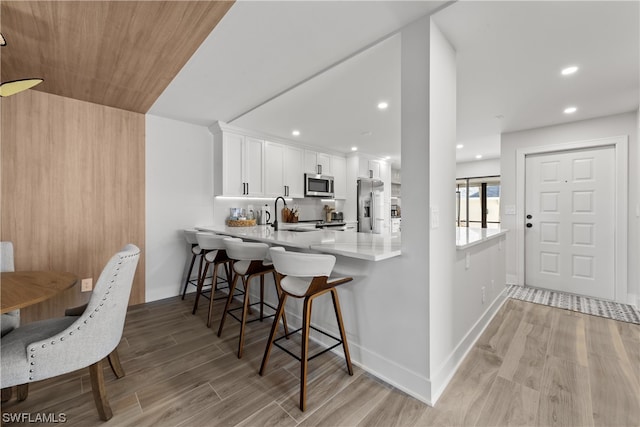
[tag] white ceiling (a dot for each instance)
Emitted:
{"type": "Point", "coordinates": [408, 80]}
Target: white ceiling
{"type": "Point", "coordinates": [509, 58]}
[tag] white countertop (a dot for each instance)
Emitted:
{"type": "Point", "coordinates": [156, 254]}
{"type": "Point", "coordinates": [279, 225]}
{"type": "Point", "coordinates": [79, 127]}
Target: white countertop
{"type": "Point", "coordinates": [371, 247]}
{"type": "Point", "coordinates": [467, 237]}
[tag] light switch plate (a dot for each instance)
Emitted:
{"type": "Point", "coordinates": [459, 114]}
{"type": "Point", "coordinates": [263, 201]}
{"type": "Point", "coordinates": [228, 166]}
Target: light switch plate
{"type": "Point", "coordinates": [509, 209]}
{"type": "Point", "coordinates": [435, 217]}
{"type": "Point", "coordinates": [87, 285]}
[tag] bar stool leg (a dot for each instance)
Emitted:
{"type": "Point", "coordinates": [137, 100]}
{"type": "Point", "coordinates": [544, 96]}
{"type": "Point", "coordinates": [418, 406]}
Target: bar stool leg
{"type": "Point", "coordinates": [306, 322]}
{"type": "Point", "coordinates": [228, 304]}
{"type": "Point", "coordinates": [261, 297]}
{"type": "Point", "coordinates": [284, 315]}
{"type": "Point", "coordinates": [210, 314]}
{"type": "Point", "coordinates": [343, 335]}
{"type": "Point", "coordinates": [186, 283]}
{"type": "Point", "coordinates": [201, 285]}
{"type": "Point", "coordinates": [245, 311]}
{"type": "Point", "coordinates": [272, 334]}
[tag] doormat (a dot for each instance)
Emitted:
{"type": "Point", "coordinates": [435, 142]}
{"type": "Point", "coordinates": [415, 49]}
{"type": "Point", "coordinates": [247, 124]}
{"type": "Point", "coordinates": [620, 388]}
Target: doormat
{"type": "Point", "coordinates": [586, 305]}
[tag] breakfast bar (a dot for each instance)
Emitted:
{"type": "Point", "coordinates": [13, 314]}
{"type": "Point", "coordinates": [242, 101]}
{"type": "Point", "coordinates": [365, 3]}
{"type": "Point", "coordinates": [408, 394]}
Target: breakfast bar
{"type": "Point", "coordinates": [363, 246]}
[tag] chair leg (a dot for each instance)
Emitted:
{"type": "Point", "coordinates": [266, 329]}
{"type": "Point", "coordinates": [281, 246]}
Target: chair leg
{"type": "Point", "coordinates": [306, 322]}
{"type": "Point", "coordinates": [211, 300]}
{"type": "Point", "coordinates": [343, 335]}
{"type": "Point", "coordinates": [99, 392]}
{"type": "Point", "coordinates": [272, 334]}
{"type": "Point", "coordinates": [6, 394]}
{"type": "Point", "coordinates": [228, 304]}
{"type": "Point", "coordinates": [245, 311]}
{"type": "Point", "coordinates": [186, 283]}
{"type": "Point", "coordinates": [200, 286]}
{"type": "Point", "coordinates": [22, 391]}
{"type": "Point", "coordinates": [284, 315]}
{"type": "Point", "coordinates": [261, 297]}
{"type": "Point", "coordinates": [228, 272]}
{"type": "Point", "coordinates": [114, 361]}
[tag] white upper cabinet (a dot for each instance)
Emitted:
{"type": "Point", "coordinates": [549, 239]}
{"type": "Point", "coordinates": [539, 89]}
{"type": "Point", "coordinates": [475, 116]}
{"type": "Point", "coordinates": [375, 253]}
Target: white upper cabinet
{"type": "Point", "coordinates": [369, 168]}
{"type": "Point", "coordinates": [246, 165]}
{"type": "Point", "coordinates": [253, 172]}
{"type": "Point", "coordinates": [284, 170]}
{"type": "Point", "coordinates": [238, 164]}
{"type": "Point", "coordinates": [315, 162]}
{"type": "Point", "coordinates": [294, 171]}
{"type": "Point", "coordinates": [339, 171]}
{"type": "Point", "coordinates": [233, 182]}
{"type": "Point", "coordinates": [274, 169]}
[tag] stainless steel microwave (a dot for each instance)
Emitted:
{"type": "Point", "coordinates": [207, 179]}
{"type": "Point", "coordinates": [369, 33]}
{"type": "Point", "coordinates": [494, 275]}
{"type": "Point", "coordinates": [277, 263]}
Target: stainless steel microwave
{"type": "Point", "coordinates": [316, 185]}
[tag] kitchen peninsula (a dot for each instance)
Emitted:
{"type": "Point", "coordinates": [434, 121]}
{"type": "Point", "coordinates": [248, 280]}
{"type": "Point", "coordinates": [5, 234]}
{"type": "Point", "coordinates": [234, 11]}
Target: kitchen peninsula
{"type": "Point", "coordinates": [364, 246]}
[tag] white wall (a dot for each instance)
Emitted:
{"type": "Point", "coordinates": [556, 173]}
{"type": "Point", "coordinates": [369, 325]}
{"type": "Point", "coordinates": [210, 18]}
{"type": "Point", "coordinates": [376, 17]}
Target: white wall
{"type": "Point", "coordinates": [179, 195]}
{"type": "Point", "coordinates": [637, 220]}
{"type": "Point", "coordinates": [442, 159]}
{"type": "Point", "coordinates": [478, 168]}
{"type": "Point", "coordinates": [621, 124]}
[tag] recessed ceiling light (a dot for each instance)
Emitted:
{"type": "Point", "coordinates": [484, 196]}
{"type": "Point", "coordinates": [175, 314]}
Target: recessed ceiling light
{"type": "Point", "coordinates": [569, 70]}
{"type": "Point", "coordinates": [382, 105]}
{"type": "Point", "coordinates": [387, 157]}
{"type": "Point", "coordinates": [354, 148]}
{"type": "Point", "coordinates": [570, 110]}
{"type": "Point", "coordinates": [478, 156]}
{"type": "Point", "coordinates": [295, 133]}
{"type": "Point", "coordinates": [459, 146]}
{"type": "Point", "coordinates": [366, 133]}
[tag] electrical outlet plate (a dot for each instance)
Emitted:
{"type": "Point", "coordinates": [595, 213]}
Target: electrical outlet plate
{"type": "Point", "coordinates": [87, 285]}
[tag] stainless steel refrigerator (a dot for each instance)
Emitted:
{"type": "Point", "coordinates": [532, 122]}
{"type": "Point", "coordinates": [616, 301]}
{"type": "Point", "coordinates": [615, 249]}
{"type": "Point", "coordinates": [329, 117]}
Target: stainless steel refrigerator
{"type": "Point", "coordinates": [370, 205]}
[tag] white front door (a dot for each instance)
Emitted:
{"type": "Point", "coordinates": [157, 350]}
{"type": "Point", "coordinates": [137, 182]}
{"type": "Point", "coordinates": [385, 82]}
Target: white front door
{"type": "Point", "coordinates": [570, 213]}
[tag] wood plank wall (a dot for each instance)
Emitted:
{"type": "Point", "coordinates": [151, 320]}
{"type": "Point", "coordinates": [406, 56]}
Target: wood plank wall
{"type": "Point", "coordinates": [72, 189]}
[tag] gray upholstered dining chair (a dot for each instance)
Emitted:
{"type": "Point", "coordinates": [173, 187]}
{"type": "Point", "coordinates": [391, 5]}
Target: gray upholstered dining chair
{"type": "Point", "coordinates": [11, 320]}
{"type": "Point", "coordinates": [53, 347]}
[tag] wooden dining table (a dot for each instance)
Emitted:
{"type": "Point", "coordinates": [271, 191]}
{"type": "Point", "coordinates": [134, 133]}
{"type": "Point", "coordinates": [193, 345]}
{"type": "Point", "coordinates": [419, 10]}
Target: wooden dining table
{"type": "Point", "coordinates": [21, 289]}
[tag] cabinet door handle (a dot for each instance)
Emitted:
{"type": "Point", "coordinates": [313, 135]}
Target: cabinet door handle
{"type": "Point", "coordinates": [247, 188]}
{"type": "Point", "coordinates": [320, 169]}
{"type": "Point", "coordinates": [286, 190]}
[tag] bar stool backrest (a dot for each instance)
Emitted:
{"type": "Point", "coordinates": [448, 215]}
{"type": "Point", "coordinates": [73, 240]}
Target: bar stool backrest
{"type": "Point", "coordinates": [190, 236]}
{"type": "Point", "coordinates": [301, 264]}
{"type": "Point", "coordinates": [245, 251]}
{"type": "Point", "coordinates": [211, 243]}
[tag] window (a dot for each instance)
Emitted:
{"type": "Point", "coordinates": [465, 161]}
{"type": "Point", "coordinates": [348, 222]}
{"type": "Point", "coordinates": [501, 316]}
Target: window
{"type": "Point", "coordinates": [478, 202]}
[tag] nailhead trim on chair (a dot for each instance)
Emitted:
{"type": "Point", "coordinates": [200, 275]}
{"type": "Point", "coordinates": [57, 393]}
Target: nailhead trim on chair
{"type": "Point", "coordinates": [117, 269]}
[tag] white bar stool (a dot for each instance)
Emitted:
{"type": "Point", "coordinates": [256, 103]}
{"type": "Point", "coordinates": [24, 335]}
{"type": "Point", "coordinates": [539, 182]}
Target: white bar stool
{"type": "Point", "coordinates": [213, 252]}
{"type": "Point", "coordinates": [304, 275]}
{"type": "Point", "coordinates": [190, 237]}
{"type": "Point", "coordinates": [248, 261]}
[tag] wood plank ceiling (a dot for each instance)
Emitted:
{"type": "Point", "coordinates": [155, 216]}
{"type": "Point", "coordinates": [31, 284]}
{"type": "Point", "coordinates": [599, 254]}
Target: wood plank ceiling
{"type": "Point", "coordinates": [116, 53]}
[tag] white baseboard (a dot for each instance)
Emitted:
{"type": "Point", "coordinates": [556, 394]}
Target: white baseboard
{"type": "Point", "coordinates": [634, 300]}
{"type": "Point", "coordinates": [512, 279]}
{"type": "Point", "coordinates": [447, 370]}
{"type": "Point", "coordinates": [410, 382]}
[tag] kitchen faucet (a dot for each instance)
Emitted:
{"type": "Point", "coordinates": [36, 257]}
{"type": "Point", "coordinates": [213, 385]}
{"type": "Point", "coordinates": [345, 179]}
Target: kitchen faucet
{"type": "Point", "coordinates": [275, 211]}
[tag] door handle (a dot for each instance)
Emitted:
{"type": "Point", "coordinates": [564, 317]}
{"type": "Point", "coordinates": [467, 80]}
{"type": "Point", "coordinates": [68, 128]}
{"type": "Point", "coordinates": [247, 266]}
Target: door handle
{"type": "Point", "coordinates": [529, 225]}
{"type": "Point", "coordinates": [529, 217]}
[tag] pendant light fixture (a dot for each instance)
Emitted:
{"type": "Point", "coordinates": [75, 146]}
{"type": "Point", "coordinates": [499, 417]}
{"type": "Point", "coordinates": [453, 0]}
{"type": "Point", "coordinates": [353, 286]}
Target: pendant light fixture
{"type": "Point", "coordinates": [15, 86]}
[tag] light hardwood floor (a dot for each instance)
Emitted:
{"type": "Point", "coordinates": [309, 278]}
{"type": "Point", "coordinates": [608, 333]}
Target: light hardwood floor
{"type": "Point", "coordinates": [534, 366]}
